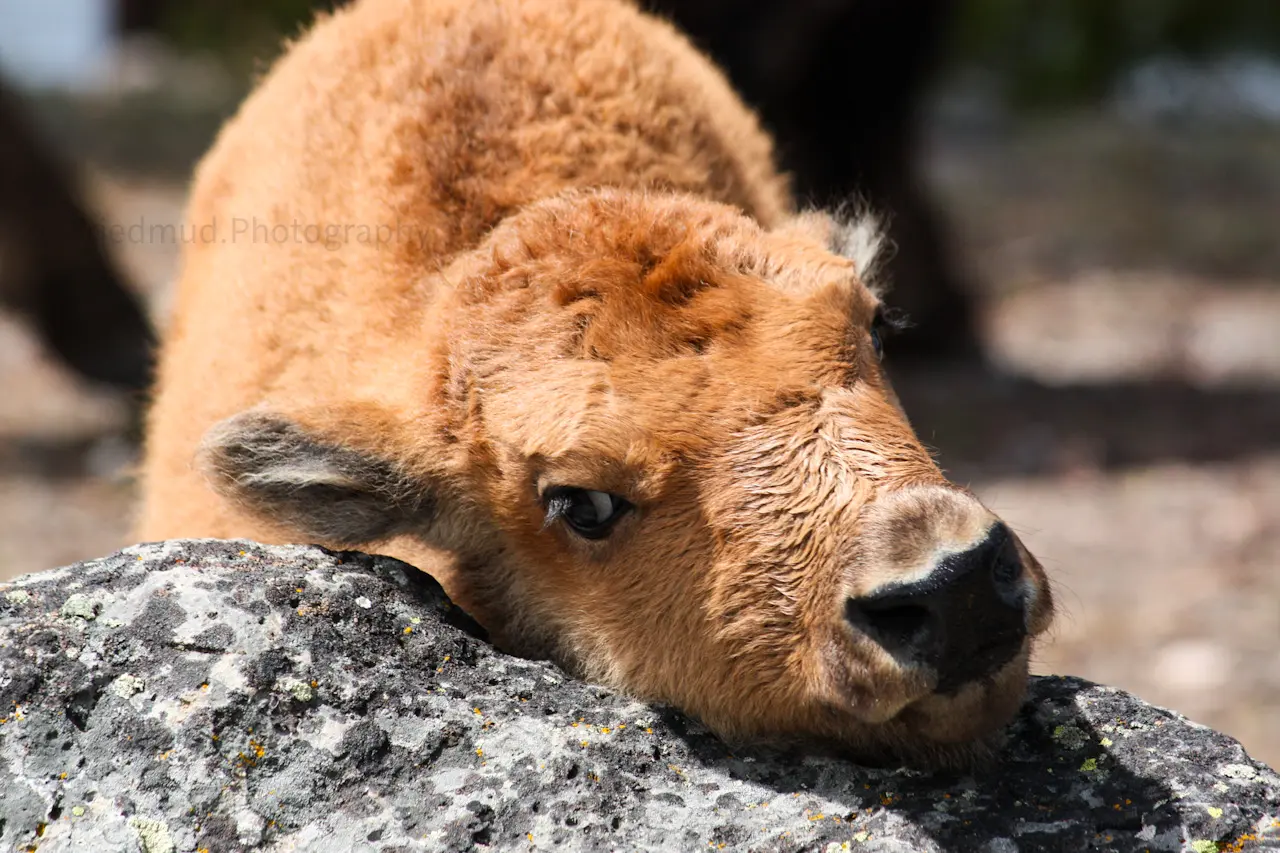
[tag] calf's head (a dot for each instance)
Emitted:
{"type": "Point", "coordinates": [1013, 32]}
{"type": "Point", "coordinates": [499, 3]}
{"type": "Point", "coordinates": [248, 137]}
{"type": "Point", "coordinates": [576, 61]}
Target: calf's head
{"type": "Point", "coordinates": [659, 443]}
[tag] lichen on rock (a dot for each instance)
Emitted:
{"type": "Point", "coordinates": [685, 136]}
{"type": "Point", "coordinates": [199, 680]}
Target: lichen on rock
{"type": "Point", "coordinates": [231, 696]}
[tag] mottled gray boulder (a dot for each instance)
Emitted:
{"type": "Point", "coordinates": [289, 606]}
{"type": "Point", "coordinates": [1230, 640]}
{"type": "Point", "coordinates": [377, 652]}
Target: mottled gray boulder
{"type": "Point", "coordinates": [223, 696]}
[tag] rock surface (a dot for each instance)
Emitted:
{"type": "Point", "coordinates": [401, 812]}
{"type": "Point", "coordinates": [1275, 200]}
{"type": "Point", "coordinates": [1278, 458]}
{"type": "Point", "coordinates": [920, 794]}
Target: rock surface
{"type": "Point", "coordinates": [218, 696]}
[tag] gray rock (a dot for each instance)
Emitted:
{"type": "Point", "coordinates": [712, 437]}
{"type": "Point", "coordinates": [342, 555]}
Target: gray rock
{"type": "Point", "coordinates": [219, 696]}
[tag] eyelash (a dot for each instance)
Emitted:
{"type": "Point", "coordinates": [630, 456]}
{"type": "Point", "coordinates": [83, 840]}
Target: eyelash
{"type": "Point", "coordinates": [885, 323]}
{"type": "Point", "coordinates": [560, 501]}
{"type": "Point", "coordinates": [891, 320]}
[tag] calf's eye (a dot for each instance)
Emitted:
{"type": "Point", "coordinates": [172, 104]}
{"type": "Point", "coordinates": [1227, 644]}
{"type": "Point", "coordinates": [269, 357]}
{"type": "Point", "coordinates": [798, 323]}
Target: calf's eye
{"type": "Point", "coordinates": [877, 343]}
{"type": "Point", "coordinates": [588, 513]}
{"type": "Point", "coordinates": [887, 321]}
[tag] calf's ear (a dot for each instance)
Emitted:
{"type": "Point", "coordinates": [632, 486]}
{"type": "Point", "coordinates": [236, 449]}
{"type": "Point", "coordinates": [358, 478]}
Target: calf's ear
{"type": "Point", "coordinates": [301, 478]}
{"type": "Point", "coordinates": [852, 232]}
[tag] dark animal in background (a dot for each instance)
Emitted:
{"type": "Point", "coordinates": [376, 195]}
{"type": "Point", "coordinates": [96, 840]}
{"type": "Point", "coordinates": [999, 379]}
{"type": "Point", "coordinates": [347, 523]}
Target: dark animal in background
{"type": "Point", "coordinates": [839, 84]}
{"type": "Point", "coordinates": [54, 270]}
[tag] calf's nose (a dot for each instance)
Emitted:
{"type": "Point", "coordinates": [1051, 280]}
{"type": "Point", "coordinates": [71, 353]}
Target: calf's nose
{"type": "Point", "coordinates": [965, 619]}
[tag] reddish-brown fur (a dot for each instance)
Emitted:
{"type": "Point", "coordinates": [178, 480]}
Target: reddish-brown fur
{"type": "Point", "coordinates": [593, 280]}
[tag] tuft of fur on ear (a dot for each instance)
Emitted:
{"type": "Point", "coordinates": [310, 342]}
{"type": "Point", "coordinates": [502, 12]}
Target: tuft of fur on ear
{"type": "Point", "coordinates": [860, 238]}
{"type": "Point", "coordinates": [273, 468]}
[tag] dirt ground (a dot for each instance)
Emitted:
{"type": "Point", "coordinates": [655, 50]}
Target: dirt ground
{"type": "Point", "coordinates": [1131, 278]}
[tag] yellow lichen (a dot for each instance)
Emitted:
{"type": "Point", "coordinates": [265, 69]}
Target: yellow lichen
{"type": "Point", "coordinates": [1238, 845]}
{"type": "Point", "coordinates": [153, 835]}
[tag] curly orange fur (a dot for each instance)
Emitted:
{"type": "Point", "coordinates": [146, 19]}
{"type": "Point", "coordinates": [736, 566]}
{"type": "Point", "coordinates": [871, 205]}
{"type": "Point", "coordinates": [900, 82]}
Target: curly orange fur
{"type": "Point", "coordinates": [550, 249]}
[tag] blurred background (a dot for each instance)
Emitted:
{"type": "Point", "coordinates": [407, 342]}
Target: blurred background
{"type": "Point", "coordinates": [1085, 196]}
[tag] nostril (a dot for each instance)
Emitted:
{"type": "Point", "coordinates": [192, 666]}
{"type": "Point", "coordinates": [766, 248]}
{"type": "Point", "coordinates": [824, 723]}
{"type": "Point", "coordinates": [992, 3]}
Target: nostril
{"type": "Point", "coordinates": [905, 621]}
{"type": "Point", "coordinates": [901, 628]}
{"type": "Point", "coordinates": [1006, 572]}
{"type": "Point", "coordinates": [965, 619]}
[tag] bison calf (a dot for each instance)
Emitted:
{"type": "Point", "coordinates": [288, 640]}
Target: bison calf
{"type": "Point", "coordinates": [510, 290]}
